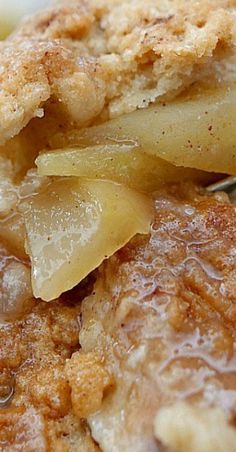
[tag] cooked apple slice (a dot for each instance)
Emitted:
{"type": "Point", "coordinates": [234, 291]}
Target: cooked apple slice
{"type": "Point", "coordinates": [74, 224]}
{"type": "Point", "coordinates": [12, 226]}
{"type": "Point", "coordinates": [12, 234]}
{"type": "Point", "coordinates": [122, 163]}
{"type": "Point", "coordinates": [197, 131]}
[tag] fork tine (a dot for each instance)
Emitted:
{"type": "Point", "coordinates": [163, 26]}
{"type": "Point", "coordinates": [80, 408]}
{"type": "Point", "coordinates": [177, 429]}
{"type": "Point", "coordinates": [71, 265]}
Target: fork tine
{"type": "Point", "coordinates": [222, 185]}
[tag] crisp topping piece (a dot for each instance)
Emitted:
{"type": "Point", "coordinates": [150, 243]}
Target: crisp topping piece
{"type": "Point", "coordinates": [88, 380]}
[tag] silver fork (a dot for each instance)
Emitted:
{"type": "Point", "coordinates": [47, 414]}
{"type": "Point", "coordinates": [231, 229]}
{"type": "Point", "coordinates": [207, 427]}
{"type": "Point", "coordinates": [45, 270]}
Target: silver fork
{"type": "Point", "coordinates": [227, 184]}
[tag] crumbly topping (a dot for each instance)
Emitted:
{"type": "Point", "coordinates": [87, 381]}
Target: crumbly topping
{"type": "Point", "coordinates": [88, 379]}
{"type": "Point", "coordinates": [108, 58]}
{"type": "Point", "coordinates": [35, 395]}
{"type": "Point", "coordinates": [162, 317]}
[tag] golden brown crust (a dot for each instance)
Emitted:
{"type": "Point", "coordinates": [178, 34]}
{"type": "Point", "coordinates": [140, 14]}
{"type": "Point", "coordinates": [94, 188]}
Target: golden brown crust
{"type": "Point", "coordinates": [162, 316]}
{"type": "Point", "coordinates": [62, 21]}
{"type": "Point", "coordinates": [33, 352]}
{"type": "Point", "coordinates": [34, 71]}
{"type": "Point", "coordinates": [99, 57]}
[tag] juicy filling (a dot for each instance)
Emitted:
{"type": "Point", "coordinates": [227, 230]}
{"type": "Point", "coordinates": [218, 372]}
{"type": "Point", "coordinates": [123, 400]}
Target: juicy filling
{"type": "Point", "coordinates": [156, 327]}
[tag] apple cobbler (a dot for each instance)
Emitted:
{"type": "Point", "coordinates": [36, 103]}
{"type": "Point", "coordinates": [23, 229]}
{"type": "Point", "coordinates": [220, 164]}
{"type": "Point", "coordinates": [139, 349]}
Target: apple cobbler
{"type": "Point", "coordinates": [118, 250]}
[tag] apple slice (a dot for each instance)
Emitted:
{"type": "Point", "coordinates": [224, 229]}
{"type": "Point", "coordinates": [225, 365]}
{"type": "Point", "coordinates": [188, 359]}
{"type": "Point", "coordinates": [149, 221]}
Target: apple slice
{"type": "Point", "coordinates": [195, 131]}
{"type": "Point", "coordinates": [118, 162]}
{"type": "Point", "coordinates": [74, 224]}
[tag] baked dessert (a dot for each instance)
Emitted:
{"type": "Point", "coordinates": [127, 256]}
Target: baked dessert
{"type": "Point", "coordinates": [118, 267]}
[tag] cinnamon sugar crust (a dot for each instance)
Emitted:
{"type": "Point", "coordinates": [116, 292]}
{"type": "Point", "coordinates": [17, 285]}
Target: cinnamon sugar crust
{"type": "Point", "coordinates": [100, 58]}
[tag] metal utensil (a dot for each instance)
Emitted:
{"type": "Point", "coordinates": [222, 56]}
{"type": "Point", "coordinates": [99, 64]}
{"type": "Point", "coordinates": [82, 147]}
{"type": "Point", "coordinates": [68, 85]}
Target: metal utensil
{"type": "Point", "coordinates": [227, 184]}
